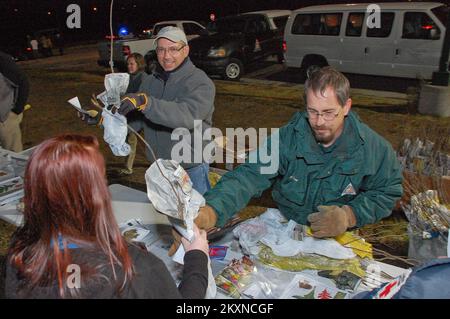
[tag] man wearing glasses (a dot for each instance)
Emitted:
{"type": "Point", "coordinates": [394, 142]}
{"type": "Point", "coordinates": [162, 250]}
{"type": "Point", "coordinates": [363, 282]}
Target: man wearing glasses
{"type": "Point", "coordinates": [172, 98]}
{"type": "Point", "coordinates": [335, 173]}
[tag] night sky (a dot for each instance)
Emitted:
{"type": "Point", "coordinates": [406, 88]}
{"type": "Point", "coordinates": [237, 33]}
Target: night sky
{"type": "Point", "coordinates": [21, 17]}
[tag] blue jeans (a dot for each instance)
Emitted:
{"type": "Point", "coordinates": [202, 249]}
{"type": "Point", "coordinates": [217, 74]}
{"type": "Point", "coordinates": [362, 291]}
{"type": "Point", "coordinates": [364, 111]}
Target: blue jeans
{"type": "Point", "coordinates": [199, 178]}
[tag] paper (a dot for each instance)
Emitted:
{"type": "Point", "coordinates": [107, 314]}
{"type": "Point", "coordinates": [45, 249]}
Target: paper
{"type": "Point", "coordinates": [305, 287]}
{"type": "Point", "coordinates": [134, 231]}
{"type": "Point", "coordinates": [11, 190]}
{"type": "Point", "coordinates": [75, 102]}
{"type": "Point", "coordinates": [170, 191]}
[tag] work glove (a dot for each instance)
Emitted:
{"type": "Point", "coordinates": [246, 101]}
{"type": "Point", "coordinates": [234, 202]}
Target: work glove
{"type": "Point", "coordinates": [93, 117]}
{"type": "Point", "coordinates": [331, 221]}
{"type": "Point", "coordinates": [206, 219]}
{"type": "Point", "coordinates": [131, 102]}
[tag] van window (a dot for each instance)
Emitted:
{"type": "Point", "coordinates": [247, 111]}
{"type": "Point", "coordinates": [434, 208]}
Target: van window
{"type": "Point", "coordinates": [192, 29]}
{"type": "Point", "coordinates": [257, 26]}
{"type": "Point", "coordinates": [280, 22]}
{"type": "Point", "coordinates": [354, 24]}
{"type": "Point", "coordinates": [419, 25]}
{"type": "Point", "coordinates": [317, 24]}
{"type": "Point", "coordinates": [441, 13]}
{"type": "Point", "coordinates": [386, 22]}
{"type": "Point", "coordinates": [160, 26]}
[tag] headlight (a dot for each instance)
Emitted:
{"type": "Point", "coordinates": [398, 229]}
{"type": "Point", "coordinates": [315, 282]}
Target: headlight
{"type": "Point", "coordinates": [217, 53]}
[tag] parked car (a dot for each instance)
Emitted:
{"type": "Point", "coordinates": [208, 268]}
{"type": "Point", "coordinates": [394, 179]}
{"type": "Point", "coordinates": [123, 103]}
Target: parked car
{"type": "Point", "coordinates": [407, 43]}
{"type": "Point", "coordinates": [124, 47]}
{"type": "Point", "coordinates": [19, 50]}
{"type": "Point", "coordinates": [236, 41]}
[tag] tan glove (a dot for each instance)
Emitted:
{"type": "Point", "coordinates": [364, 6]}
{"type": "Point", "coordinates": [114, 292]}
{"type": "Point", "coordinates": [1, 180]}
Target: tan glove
{"type": "Point", "coordinates": [176, 242]}
{"type": "Point", "coordinates": [206, 219]}
{"type": "Point", "coordinates": [331, 221]}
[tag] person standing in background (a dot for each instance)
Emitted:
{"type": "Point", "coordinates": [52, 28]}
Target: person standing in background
{"type": "Point", "coordinates": [136, 69]}
{"type": "Point", "coordinates": [14, 90]}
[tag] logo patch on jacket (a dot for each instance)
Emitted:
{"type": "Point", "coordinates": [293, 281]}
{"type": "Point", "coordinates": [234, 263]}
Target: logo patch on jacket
{"type": "Point", "coordinates": [349, 190]}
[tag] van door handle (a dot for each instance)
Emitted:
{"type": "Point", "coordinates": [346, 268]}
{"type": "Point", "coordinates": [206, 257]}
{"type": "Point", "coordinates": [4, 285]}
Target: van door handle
{"type": "Point", "coordinates": [366, 50]}
{"type": "Point", "coordinates": [397, 51]}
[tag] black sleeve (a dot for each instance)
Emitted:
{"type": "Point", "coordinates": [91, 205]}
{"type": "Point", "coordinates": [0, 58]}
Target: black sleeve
{"type": "Point", "coordinates": [195, 275]}
{"type": "Point", "coordinates": [12, 71]}
{"type": "Point", "coordinates": [153, 280]}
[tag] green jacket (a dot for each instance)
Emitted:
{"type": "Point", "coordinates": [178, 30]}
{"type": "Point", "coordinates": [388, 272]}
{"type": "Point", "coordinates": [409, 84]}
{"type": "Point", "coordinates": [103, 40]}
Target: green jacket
{"type": "Point", "coordinates": [360, 170]}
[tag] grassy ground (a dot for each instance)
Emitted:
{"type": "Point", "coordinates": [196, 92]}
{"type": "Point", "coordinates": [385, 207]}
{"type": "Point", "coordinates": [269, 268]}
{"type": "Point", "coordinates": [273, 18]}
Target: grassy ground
{"type": "Point", "coordinates": [56, 80]}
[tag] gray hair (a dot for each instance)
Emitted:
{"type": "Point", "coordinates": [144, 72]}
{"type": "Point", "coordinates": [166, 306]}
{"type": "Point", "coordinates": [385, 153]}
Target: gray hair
{"type": "Point", "coordinates": [321, 78]}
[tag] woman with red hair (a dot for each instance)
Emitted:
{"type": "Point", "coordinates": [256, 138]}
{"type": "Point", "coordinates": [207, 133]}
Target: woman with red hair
{"type": "Point", "coordinates": [69, 230]}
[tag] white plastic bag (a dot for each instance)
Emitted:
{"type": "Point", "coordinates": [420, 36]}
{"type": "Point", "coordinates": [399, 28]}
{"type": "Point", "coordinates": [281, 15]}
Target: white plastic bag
{"type": "Point", "coordinates": [115, 133]}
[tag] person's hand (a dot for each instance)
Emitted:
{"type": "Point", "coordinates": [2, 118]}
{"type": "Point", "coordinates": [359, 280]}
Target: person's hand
{"type": "Point", "coordinates": [206, 219]}
{"type": "Point", "coordinates": [131, 102]}
{"type": "Point", "coordinates": [331, 221]}
{"type": "Point", "coordinates": [198, 243]}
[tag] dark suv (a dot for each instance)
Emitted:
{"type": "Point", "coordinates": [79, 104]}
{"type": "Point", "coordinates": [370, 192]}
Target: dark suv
{"type": "Point", "coordinates": [233, 43]}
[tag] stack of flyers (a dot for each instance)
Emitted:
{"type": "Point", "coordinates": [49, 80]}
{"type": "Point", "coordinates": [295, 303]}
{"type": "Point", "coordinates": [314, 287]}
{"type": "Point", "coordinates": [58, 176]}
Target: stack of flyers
{"type": "Point", "coordinates": [11, 190]}
{"type": "Point", "coordinates": [235, 277]}
{"type": "Point", "coordinates": [134, 231]}
{"type": "Point", "coordinates": [306, 287]}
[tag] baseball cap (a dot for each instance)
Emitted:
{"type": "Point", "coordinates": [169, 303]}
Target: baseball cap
{"type": "Point", "coordinates": [173, 34]}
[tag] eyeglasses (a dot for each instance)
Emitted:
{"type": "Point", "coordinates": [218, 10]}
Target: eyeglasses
{"type": "Point", "coordinates": [327, 116]}
{"type": "Point", "coordinates": [170, 50]}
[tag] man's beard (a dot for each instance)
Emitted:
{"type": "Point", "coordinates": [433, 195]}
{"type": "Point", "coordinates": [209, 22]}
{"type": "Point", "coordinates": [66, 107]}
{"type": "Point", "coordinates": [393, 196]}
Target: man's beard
{"type": "Point", "coordinates": [323, 138]}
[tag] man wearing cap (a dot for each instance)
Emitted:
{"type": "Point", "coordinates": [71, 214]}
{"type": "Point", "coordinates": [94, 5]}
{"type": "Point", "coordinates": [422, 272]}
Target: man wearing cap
{"type": "Point", "coordinates": [171, 99]}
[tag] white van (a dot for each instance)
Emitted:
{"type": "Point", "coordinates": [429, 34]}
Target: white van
{"type": "Point", "coordinates": [407, 42]}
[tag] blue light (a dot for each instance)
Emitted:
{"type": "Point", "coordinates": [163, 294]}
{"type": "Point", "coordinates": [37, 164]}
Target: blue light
{"type": "Point", "coordinates": [123, 31]}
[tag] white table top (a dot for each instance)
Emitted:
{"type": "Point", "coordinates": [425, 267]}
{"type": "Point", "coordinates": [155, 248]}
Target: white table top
{"type": "Point", "coordinates": [130, 203]}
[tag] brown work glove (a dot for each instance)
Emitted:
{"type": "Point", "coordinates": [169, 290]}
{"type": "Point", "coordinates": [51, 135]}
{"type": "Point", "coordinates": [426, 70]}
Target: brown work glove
{"type": "Point", "coordinates": [206, 219]}
{"type": "Point", "coordinates": [94, 117]}
{"type": "Point", "coordinates": [331, 221]}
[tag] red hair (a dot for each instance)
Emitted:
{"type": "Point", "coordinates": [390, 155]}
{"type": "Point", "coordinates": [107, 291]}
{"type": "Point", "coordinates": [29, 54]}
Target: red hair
{"type": "Point", "coordinates": [66, 197]}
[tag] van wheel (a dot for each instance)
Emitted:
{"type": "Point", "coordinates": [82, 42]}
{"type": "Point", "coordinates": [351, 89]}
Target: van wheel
{"type": "Point", "coordinates": [233, 70]}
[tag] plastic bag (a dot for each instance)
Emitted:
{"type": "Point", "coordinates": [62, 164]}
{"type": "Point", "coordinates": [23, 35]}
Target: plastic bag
{"type": "Point", "coordinates": [115, 133]}
{"type": "Point", "coordinates": [271, 230]}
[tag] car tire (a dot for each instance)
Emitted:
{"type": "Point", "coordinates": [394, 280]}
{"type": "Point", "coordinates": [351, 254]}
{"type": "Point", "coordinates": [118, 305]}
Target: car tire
{"type": "Point", "coordinates": [233, 70]}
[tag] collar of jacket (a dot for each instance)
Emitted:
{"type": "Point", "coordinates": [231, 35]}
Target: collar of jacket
{"type": "Point", "coordinates": [183, 69]}
{"type": "Point", "coordinates": [308, 148]}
